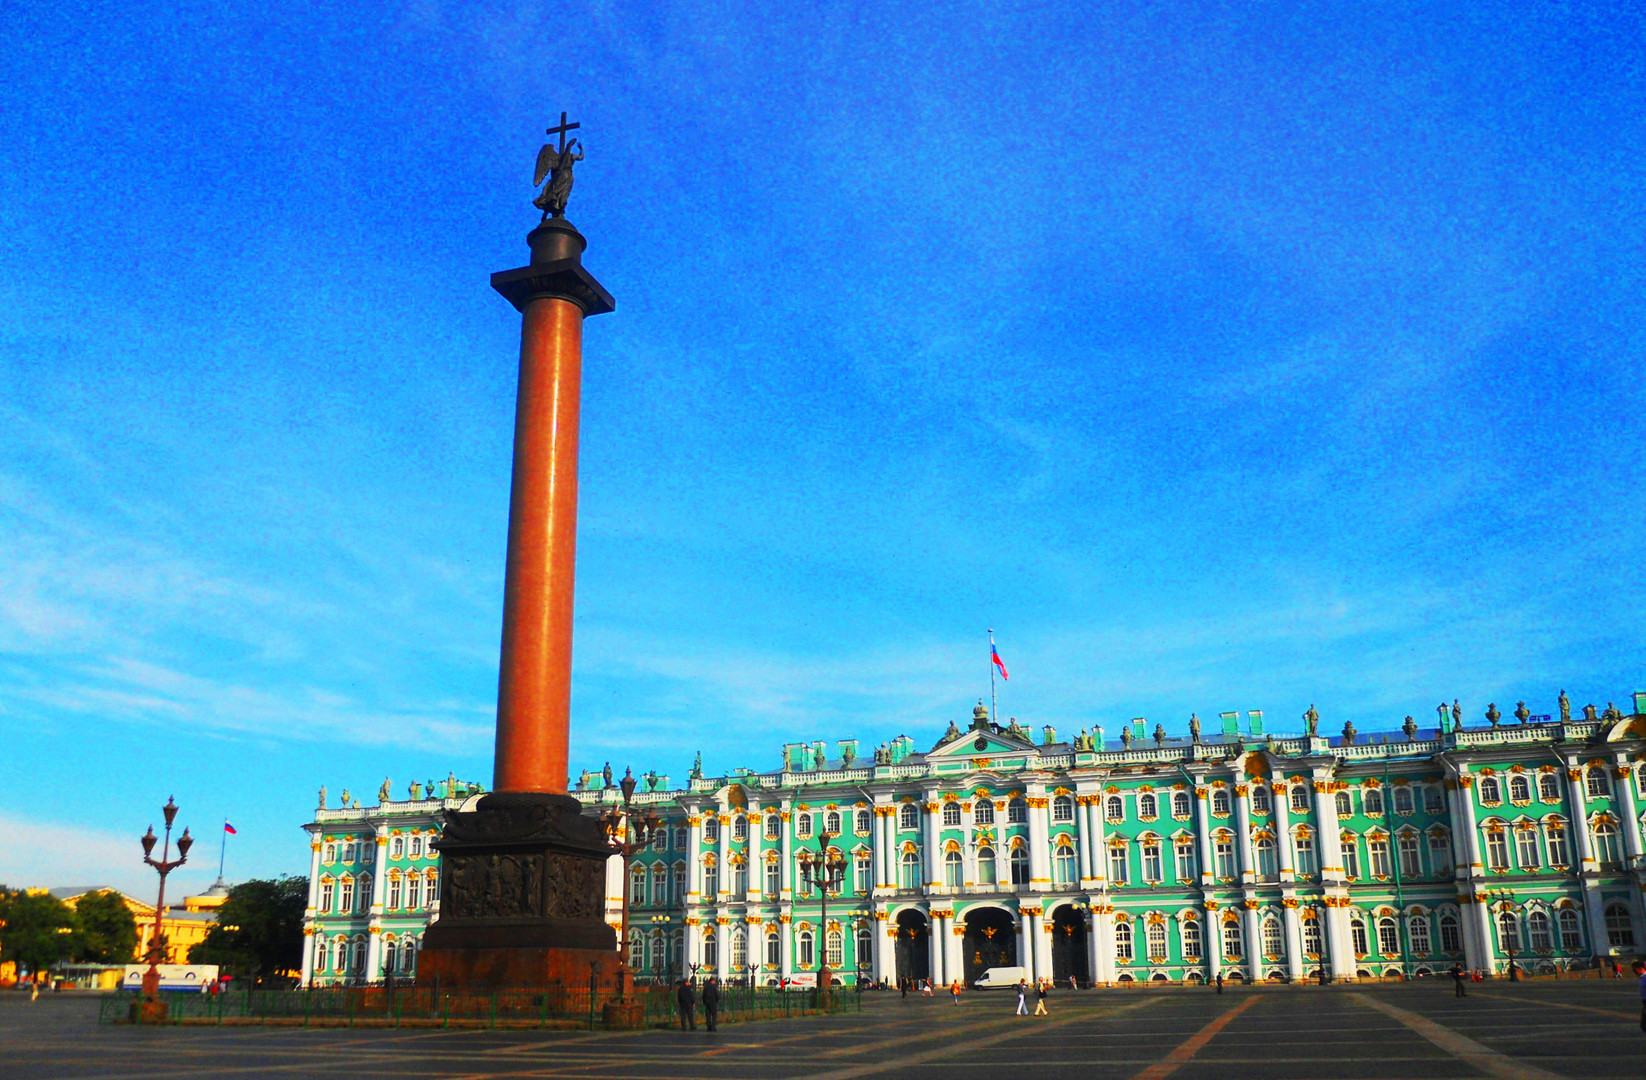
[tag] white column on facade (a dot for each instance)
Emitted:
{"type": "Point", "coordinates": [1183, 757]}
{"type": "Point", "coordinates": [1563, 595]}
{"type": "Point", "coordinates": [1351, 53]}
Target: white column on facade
{"type": "Point", "coordinates": [1203, 831]}
{"type": "Point", "coordinates": [693, 946]}
{"type": "Point", "coordinates": [308, 955]}
{"type": "Point", "coordinates": [880, 948]}
{"type": "Point", "coordinates": [934, 941]}
{"type": "Point", "coordinates": [1025, 941]}
{"type": "Point", "coordinates": [1042, 944]}
{"type": "Point", "coordinates": [932, 858]}
{"type": "Point", "coordinates": [1479, 912]}
{"type": "Point", "coordinates": [1082, 818]}
{"type": "Point", "coordinates": [1329, 844]}
{"type": "Point", "coordinates": [1283, 832]}
{"type": "Point", "coordinates": [694, 863]}
{"type": "Point", "coordinates": [1254, 943]}
{"type": "Point", "coordinates": [785, 949]}
{"type": "Point", "coordinates": [968, 845]}
{"type": "Point", "coordinates": [1294, 940]}
{"type": "Point", "coordinates": [785, 858]}
{"type": "Point", "coordinates": [379, 882]}
{"type": "Point", "coordinates": [1214, 939]}
{"type": "Point", "coordinates": [885, 843]}
{"type": "Point", "coordinates": [1040, 844]}
{"type": "Point", "coordinates": [751, 852]}
{"type": "Point", "coordinates": [954, 963]}
{"type": "Point", "coordinates": [1589, 877]}
{"type": "Point", "coordinates": [725, 886]}
{"type": "Point", "coordinates": [1625, 781]}
{"type": "Point", "coordinates": [1103, 944]}
{"type": "Point", "coordinates": [723, 945]}
{"type": "Point", "coordinates": [1339, 941]}
{"type": "Point", "coordinates": [314, 875]}
{"type": "Point", "coordinates": [1097, 823]}
{"type": "Point", "coordinates": [1243, 833]}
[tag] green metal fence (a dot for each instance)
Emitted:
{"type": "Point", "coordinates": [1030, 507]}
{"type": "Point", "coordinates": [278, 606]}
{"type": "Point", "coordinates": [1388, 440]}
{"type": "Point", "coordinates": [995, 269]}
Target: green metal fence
{"type": "Point", "coordinates": [554, 1006]}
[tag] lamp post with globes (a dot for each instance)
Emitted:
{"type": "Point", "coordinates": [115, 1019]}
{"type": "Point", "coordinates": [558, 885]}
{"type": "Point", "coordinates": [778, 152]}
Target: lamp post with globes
{"type": "Point", "coordinates": [628, 834]}
{"type": "Point", "coordinates": [826, 870]}
{"type": "Point", "coordinates": [164, 865]}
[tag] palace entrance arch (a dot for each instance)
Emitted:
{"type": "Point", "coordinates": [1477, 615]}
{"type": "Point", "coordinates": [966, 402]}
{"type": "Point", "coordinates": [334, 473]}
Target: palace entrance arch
{"type": "Point", "coordinates": [914, 953]}
{"type": "Point", "coordinates": [990, 941]}
{"type": "Point", "coordinates": [1069, 952]}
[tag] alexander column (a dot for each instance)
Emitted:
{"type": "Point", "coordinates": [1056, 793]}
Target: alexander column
{"type": "Point", "coordinates": [522, 883]}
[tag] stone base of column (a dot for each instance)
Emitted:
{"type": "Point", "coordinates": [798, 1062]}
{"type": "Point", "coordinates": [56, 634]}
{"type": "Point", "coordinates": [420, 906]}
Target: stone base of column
{"type": "Point", "coordinates": [522, 898]}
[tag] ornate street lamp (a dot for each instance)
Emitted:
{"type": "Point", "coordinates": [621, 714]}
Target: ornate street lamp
{"type": "Point", "coordinates": [628, 834]}
{"type": "Point", "coordinates": [826, 870]}
{"type": "Point", "coordinates": [164, 865]}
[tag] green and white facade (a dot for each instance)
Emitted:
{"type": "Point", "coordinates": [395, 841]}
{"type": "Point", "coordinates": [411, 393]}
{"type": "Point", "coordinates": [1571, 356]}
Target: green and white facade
{"type": "Point", "coordinates": [1250, 856]}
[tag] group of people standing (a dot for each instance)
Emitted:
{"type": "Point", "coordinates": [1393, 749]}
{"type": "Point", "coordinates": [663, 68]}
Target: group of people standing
{"type": "Point", "coordinates": [685, 996]}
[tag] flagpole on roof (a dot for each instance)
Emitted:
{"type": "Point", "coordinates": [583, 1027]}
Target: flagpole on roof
{"type": "Point", "coordinates": [224, 850]}
{"type": "Point", "coordinates": [994, 707]}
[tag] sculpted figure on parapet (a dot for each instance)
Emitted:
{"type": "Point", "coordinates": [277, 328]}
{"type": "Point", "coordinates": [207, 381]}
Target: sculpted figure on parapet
{"type": "Point", "coordinates": [1311, 720]}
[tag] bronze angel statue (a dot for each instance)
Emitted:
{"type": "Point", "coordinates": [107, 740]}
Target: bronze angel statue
{"type": "Point", "coordinates": [556, 164]}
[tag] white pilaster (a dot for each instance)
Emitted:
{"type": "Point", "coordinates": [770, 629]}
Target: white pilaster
{"type": "Point", "coordinates": [1329, 843]}
{"type": "Point", "coordinates": [694, 865]}
{"type": "Point", "coordinates": [1283, 834]}
{"type": "Point", "coordinates": [1103, 965]}
{"type": "Point", "coordinates": [954, 964]}
{"type": "Point", "coordinates": [786, 857]}
{"type": "Point", "coordinates": [1042, 945]}
{"type": "Point", "coordinates": [1243, 833]}
{"type": "Point", "coordinates": [1203, 833]}
{"type": "Point", "coordinates": [934, 943]}
{"type": "Point", "coordinates": [931, 857]}
{"type": "Point", "coordinates": [1624, 781]}
{"type": "Point", "coordinates": [1025, 942]}
{"type": "Point", "coordinates": [1040, 847]}
{"type": "Point", "coordinates": [1082, 817]}
{"type": "Point", "coordinates": [1294, 940]}
{"type": "Point", "coordinates": [1254, 944]}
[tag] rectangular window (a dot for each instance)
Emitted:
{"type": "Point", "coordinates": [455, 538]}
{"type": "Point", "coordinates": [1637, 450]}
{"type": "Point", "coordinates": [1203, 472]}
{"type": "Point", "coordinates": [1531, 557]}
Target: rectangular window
{"type": "Point", "coordinates": [1497, 850]}
{"type": "Point", "coordinates": [1357, 934]}
{"type": "Point", "coordinates": [1232, 946]}
{"type": "Point", "coordinates": [1224, 851]}
{"type": "Point", "coordinates": [1191, 941]}
{"type": "Point", "coordinates": [1300, 798]}
{"type": "Point", "coordinates": [1418, 930]}
{"type": "Point", "coordinates": [1557, 846]}
{"type": "Point", "coordinates": [1411, 862]}
{"type": "Point", "coordinates": [1185, 862]}
{"type": "Point", "coordinates": [1526, 849]}
{"type": "Point", "coordinates": [1440, 854]}
{"type": "Point", "coordinates": [1311, 937]}
{"type": "Point", "coordinates": [1450, 940]}
{"type": "Point", "coordinates": [774, 880]}
{"type": "Point", "coordinates": [1351, 858]}
{"type": "Point", "coordinates": [394, 892]}
{"type": "Point", "coordinates": [1378, 848]}
{"type": "Point", "coordinates": [1434, 801]}
{"type": "Point", "coordinates": [1371, 802]}
{"type": "Point", "coordinates": [1305, 847]}
{"type": "Point", "coordinates": [863, 873]}
{"type": "Point", "coordinates": [1151, 862]}
{"type": "Point", "coordinates": [1156, 937]}
{"type": "Point", "coordinates": [1117, 865]}
{"type": "Point", "coordinates": [951, 813]}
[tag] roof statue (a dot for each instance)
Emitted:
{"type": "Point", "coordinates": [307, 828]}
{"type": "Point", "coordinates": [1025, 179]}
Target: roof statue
{"type": "Point", "coordinates": [1522, 713]}
{"type": "Point", "coordinates": [1160, 734]}
{"type": "Point", "coordinates": [1565, 708]}
{"type": "Point", "coordinates": [1311, 720]}
{"type": "Point", "coordinates": [322, 796]}
{"type": "Point", "coordinates": [1611, 712]}
{"type": "Point", "coordinates": [1410, 728]}
{"type": "Point", "coordinates": [1492, 715]}
{"type": "Point", "coordinates": [1457, 715]}
{"type": "Point", "coordinates": [1194, 728]}
{"type": "Point", "coordinates": [1349, 732]}
{"type": "Point", "coordinates": [383, 792]}
{"type": "Point", "coordinates": [555, 163]}
{"type": "Point", "coordinates": [1589, 713]}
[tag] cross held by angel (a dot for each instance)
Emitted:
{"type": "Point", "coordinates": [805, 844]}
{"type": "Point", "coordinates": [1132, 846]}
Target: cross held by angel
{"type": "Point", "coordinates": [555, 163]}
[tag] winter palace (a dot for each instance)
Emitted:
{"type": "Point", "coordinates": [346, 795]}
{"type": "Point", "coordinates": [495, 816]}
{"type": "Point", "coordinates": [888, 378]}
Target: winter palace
{"type": "Point", "coordinates": [1151, 857]}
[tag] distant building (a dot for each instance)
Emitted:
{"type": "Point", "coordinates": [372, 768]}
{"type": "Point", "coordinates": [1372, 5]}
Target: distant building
{"type": "Point", "coordinates": [1152, 858]}
{"type": "Point", "coordinates": [180, 928]}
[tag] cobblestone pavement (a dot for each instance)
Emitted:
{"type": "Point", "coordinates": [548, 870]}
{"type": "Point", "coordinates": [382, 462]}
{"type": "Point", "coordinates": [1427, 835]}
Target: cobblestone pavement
{"type": "Point", "coordinates": [1525, 1031]}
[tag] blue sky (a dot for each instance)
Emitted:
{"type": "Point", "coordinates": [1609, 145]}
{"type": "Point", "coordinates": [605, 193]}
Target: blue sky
{"type": "Point", "coordinates": [1219, 356]}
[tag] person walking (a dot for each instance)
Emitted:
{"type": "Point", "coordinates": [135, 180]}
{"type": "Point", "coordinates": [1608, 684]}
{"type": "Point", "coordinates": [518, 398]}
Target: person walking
{"type": "Point", "coordinates": [711, 1002]}
{"type": "Point", "coordinates": [1220, 982]}
{"type": "Point", "coordinates": [954, 991]}
{"type": "Point", "coordinates": [1022, 998]}
{"type": "Point", "coordinates": [903, 985]}
{"type": "Point", "coordinates": [1457, 981]}
{"type": "Point", "coordinates": [686, 998]}
{"type": "Point", "coordinates": [1639, 968]}
{"type": "Point", "coordinates": [1041, 986]}
{"type": "Point", "coordinates": [1072, 984]}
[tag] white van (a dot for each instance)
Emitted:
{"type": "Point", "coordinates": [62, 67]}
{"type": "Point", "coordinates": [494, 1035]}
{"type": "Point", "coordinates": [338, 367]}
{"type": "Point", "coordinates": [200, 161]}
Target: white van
{"type": "Point", "coordinates": [1001, 978]}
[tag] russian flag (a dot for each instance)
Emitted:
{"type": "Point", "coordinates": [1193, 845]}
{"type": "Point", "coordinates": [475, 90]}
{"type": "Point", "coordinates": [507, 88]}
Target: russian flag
{"type": "Point", "coordinates": [230, 829]}
{"type": "Point", "coordinates": [995, 656]}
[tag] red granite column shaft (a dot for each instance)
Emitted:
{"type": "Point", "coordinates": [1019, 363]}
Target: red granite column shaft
{"type": "Point", "coordinates": [534, 682]}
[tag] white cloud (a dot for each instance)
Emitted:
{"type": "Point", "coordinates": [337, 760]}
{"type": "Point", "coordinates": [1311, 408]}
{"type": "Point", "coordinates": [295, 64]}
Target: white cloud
{"type": "Point", "coordinates": [45, 854]}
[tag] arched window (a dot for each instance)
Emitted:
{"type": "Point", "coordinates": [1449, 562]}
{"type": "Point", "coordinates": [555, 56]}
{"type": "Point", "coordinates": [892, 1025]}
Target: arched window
{"type": "Point", "coordinates": [774, 949]}
{"type": "Point", "coordinates": [1063, 872]}
{"type": "Point", "coordinates": [637, 886]}
{"type": "Point", "coordinates": [358, 962]}
{"type": "Point", "coordinates": [711, 829]}
{"type": "Point", "coordinates": [327, 891]}
{"type": "Point", "coordinates": [953, 875]}
{"type": "Point", "coordinates": [1537, 932]}
{"type": "Point", "coordinates": [1274, 939]}
{"type": "Point", "coordinates": [1490, 793]}
{"type": "Point", "coordinates": [1520, 789]}
{"type": "Point", "coordinates": [1606, 849]}
{"type": "Point", "coordinates": [1147, 808]}
{"type": "Point", "coordinates": [806, 947]}
{"type": "Point", "coordinates": [1300, 798]}
{"type": "Point", "coordinates": [1497, 848]}
{"type": "Point", "coordinates": [1117, 862]}
{"type": "Point", "coordinates": [1303, 845]}
{"type": "Point", "coordinates": [1357, 935]}
{"type": "Point", "coordinates": [415, 849]}
{"type": "Point", "coordinates": [740, 828]}
{"type": "Point", "coordinates": [637, 951]}
{"type": "Point", "coordinates": [863, 945]}
{"type": "Point", "coordinates": [660, 953]}
{"type": "Point", "coordinates": [910, 876]}
{"type": "Point", "coordinates": [1017, 812]}
{"type": "Point", "coordinates": [860, 867]}
{"type": "Point", "coordinates": [774, 878]}
{"type": "Point", "coordinates": [1600, 785]}
{"type": "Point", "coordinates": [1220, 801]}
{"type": "Point", "coordinates": [1434, 800]}
{"type": "Point", "coordinates": [1371, 802]}
{"type": "Point", "coordinates": [863, 823]}
{"type": "Point", "coordinates": [803, 825]}
{"type": "Point", "coordinates": [1508, 931]}
{"type": "Point", "coordinates": [1193, 945]}
{"type": "Point", "coordinates": [1260, 800]}
{"type": "Point", "coordinates": [1114, 808]}
{"type": "Point", "coordinates": [330, 854]}
{"type": "Point", "coordinates": [1123, 942]}
{"type": "Point", "coordinates": [408, 956]}
{"type": "Point", "coordinates": [740, 949]}
{"type": "Point", "coordinates": [711, 951]}
{"type": "Point", "coordinates": [1268, 859]}
{"type": "Point", "coordinates": [1403, 800]}
{"type": "Point", "coordinates": [1620, 929]}
{"type": "Point", "coordinates": [740, 876]}
{"type": "Point", "coordinates": [397, 847]}
{"type": "Point", "coordinates": [1181, 807]}
{"type": "Point", "coordinates": [1417, 930]}
{"type": "Point", "coordinates": [1571, 931]}
{"type": "Point", "coordinates": [1451, 941]}
{"type": "Point", "coordinates": [1344, 809]}
{"type": "Point", "coordinates": [1388, 937]}
{"type": "Point", "coordinates": [985, 866]}
{"type": "Point", "coordinates": [1154, 933]}
{"type": "Point", "coordinates": [908, 816]}
{"type": "Point", "coordinates": [951, 812]}
{"type": "Point", "coordinates": [660, 885]}
{"type": "Point", "coordinates": [1020, 867]}
{"type": "Point", "coordinates": [1233, 947]}
{"type": "Point", "coordinates": [831, 822]}
{"type": "Point", "coordinates": [1312, 944]}
{"type": "Point", "coordinates": [1063, 808]}
{"type": "Point", "coordinates": [1548, 787]}
{"type": "Point", "coordinates": [983, 812]}
{"type": "Point", "coordinates": [834, 949]}
{"type": "Point", "coordinates": [682, 837]}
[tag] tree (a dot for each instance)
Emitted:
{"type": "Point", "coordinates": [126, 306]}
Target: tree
{"type": "Point", "coordinates": [259, 929]}
{"type": "Point", "coordinates": [108, 932]}
{"type": "Point", "coordinates": [36, 930]}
